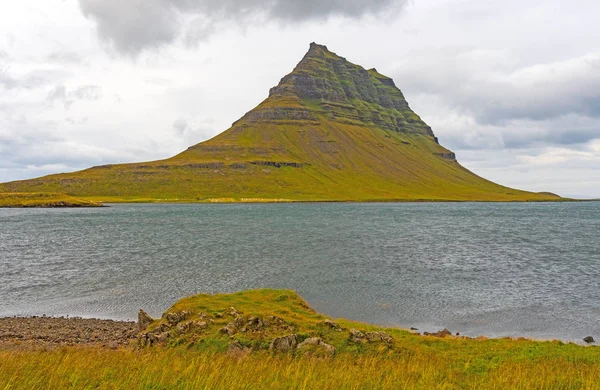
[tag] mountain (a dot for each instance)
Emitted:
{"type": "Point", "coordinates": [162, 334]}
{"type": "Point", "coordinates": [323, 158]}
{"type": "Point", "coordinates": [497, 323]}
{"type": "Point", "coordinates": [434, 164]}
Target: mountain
{"type": "Point", "coordinates": [331, 130]}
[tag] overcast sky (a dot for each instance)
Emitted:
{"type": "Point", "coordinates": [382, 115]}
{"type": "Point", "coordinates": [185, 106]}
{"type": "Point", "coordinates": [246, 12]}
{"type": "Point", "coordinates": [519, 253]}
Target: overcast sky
{"type": "Point", "coordinates": [512, 87]}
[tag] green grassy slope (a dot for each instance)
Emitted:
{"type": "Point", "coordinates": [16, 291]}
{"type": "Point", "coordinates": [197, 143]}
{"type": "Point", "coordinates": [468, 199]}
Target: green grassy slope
{"type": "Point", "coordinates": [330, 130]}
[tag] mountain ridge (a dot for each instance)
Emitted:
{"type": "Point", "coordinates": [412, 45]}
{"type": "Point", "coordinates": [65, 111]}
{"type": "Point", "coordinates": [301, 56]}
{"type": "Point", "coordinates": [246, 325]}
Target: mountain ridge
{"type": "Point", "coordinates": [329, 131]}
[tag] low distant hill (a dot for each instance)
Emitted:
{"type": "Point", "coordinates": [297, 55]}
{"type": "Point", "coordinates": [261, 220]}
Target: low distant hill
{"type": "Point", "coordinates": [330, 131]}
{"type": "Point", "coordinates": [44, 200]}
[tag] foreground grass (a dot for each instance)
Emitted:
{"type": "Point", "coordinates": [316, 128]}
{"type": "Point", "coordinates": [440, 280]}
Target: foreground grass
{"type": "Point", "coordinates": [525, 367]}
{"type": "Point", "coordinates": [43, 199]}
{"type": "Point", "coordinates": [202, 358]}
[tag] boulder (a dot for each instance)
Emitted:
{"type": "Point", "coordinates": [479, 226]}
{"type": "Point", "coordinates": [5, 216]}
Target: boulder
{"type": "Point", "coordinates": [589, 340]}
{"type": "Point", "coordinates": [232, 312]}
{"type": "Point", "coordinates": [163, 338]}
{"type": "Point", "coordinates": [316, 346]}
{"type": "Point", "coordinates": [442, 333]}
{"type": "Point", "coordinates": [229, 329]}
{"type": "Point", "coordinates": [332, 325]}
{"type": "Point", "coordinates": [143, 320]}
{"type": "Point", "coordinates": [375, 337]}
{"type": "Point", "coordinates": [356, 336]}
{"type": "Point", "coordinates": [285, 343]}
{"type": "Point", "coordinates": [174, 318]}
{"type": "Point", "coordinates": [255, 324]}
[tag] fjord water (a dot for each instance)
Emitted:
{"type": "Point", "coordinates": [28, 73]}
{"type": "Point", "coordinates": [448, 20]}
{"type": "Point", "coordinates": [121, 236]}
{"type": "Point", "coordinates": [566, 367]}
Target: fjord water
{"type": "Point", "coordinates": [495, 269]}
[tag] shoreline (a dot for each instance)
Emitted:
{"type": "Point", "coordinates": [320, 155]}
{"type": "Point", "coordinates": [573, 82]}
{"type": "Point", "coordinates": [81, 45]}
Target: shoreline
{"type": "Point", "coordinates": [317, 201]}
{"type": "Point", "coordinates": [41, 332]}
{"type": "Point", "coordinates": [34, 332]}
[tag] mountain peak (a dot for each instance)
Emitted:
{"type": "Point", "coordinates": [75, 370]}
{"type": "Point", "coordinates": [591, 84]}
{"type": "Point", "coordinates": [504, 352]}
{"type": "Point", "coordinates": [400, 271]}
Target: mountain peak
{"type": "Point", "coordinates": [324, 83]}
{"type": "Point", "coordinates": [320, 51]}
{"type": "Point", "coordinates": [317, 47]}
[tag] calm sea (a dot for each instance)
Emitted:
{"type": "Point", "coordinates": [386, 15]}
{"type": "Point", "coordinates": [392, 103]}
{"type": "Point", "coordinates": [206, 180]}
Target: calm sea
{"type": "Point", "coordinates": [477, 268]}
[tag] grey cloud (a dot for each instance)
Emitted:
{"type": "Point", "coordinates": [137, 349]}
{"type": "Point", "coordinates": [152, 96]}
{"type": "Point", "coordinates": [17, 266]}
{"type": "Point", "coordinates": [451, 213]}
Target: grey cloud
{"type": "Point", "coordinates": [570, 131]}
{"type": "Point", "coordinates": [199, 29]}
{"type": "Point", "coordinates": [554, 103]}
{"type": "Point", "coordinates": [33, 146]}
{"type": "Point", "coordinates": [134, 25]}
{"type": "Point", "coordinates": [291, 10]}
{"type": "Point", "coordinates": [194, 132]}
{"type": "Point", "coordinates": [180, 126]}
{"type": "Point", "coordinates": [485, 85]}
{"type": "Point", "coordinates": [86, 92]}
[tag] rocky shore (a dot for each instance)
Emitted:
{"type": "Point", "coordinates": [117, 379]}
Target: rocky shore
{"type": "Point", "coordinates": [26, 333]}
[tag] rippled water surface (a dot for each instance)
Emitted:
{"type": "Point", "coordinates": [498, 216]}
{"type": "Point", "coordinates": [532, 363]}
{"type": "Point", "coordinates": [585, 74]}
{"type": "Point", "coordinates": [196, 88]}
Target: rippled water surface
{"type": "Point", "coordinates": [477, 268]}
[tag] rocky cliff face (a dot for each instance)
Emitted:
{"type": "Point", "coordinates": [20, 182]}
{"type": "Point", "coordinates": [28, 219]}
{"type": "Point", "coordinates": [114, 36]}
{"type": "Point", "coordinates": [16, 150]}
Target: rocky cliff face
{"type": "Point", "coordinates": [325, 83]}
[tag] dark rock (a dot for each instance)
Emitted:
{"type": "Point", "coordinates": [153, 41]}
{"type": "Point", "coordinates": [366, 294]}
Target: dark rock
{"type": "Point", "coordinates": [279, 114]}
{"type": "Point", "coordinates": [207, 165]}
{"type": "Point", "coordinates": [255, 324]}
{"type": "Point", "coordinates": [589, 340]}
{"type": "Point", "coordinates": [442, 333]}
{"type": "Point", "coordinates": [447, 156]}
{"type": "Point", "coordinates": [332, 325]}
{"type": "Point", "coordinates": [277, 164]}
{"type": "Point", "coordinates": [143, 320]}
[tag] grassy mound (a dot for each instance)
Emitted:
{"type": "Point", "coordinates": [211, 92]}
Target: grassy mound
{"type": "Point", "coordinates": [41, 199]}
